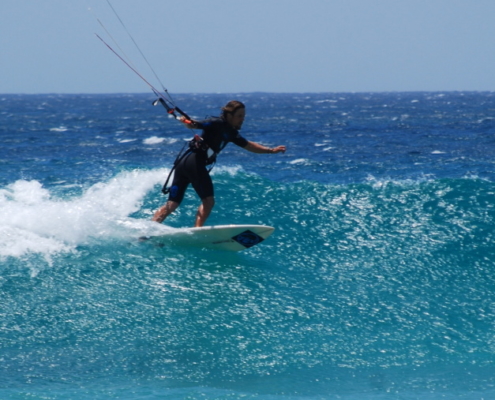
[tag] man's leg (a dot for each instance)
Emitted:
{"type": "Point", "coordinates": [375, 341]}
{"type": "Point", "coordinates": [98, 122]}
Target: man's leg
{"type": "Point", "coordinates": [204, 211]}
{"type": "Point", "coordinates": [164, 211]}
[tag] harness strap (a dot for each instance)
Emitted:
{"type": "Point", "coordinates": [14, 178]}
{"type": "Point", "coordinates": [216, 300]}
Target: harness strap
{"type": "Point", "coordinates": [195, 144]}
{"type": "Point", "coordinates": [178, 159]}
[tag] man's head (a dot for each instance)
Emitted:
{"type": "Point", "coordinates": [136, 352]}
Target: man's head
{"type": "Point", "coordinates": [234, 113]}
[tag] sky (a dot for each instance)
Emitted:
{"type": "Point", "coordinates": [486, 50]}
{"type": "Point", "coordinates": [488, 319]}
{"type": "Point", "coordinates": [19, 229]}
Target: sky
{"type": "Point", "coordinates": [233, 46]}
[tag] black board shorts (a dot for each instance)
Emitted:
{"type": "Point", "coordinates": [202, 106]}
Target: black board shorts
{"type": "Point", "coordinates": [191, 170]}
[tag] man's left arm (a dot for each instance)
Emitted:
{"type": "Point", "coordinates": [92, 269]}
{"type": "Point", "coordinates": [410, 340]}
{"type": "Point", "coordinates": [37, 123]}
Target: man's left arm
{"type": "Point", "coordinates": [254, 147]}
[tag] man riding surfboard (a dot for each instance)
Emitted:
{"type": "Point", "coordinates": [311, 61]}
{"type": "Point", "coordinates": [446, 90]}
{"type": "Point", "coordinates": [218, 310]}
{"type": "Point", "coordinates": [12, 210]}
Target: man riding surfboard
{"type": "Point", "coordinates": [192, 168]}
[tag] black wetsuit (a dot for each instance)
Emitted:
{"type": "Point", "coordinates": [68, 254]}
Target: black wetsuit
{"type": "Point", "coordinates": [192, 167]}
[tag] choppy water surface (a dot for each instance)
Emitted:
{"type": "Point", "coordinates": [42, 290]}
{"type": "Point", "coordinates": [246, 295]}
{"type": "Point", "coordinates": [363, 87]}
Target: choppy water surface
{"type": "Point", "coordinates": [377, 283]}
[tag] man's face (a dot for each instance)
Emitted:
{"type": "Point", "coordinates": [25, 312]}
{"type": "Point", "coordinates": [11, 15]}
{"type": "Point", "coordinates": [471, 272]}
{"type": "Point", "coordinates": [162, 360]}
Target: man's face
{"type": "Point", "coordinates": [237, 118]}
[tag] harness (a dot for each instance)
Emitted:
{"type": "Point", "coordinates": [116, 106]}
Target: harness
{"type": "Point", "coordinates": [195, 145]}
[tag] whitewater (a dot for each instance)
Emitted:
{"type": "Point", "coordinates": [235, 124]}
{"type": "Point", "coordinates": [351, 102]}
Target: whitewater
{"type": "Point", "coordinates": [376, 284]}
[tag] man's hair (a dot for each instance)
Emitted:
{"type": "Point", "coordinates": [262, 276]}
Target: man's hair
{"type": "Point", "coordinates": [231, 107]}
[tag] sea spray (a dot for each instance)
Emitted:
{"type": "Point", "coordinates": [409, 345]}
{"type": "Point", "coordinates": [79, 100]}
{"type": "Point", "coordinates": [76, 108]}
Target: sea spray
{"type": "Point", "coordinates": [36, 222]}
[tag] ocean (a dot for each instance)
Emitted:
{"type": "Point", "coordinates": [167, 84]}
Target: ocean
{"type": "Point", "coordinates": [378, 282]}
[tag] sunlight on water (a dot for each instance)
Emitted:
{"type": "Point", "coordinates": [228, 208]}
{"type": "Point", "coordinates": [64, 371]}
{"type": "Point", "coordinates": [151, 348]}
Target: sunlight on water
{"type": "Point", "coordinates": [376, 284]}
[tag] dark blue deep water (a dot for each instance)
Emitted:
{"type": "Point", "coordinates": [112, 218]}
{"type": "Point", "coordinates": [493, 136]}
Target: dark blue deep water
{"type": "Point", "coordinates": [378, 283]}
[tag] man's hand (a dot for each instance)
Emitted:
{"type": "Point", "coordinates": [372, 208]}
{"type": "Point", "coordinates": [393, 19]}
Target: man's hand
{"type": "Point", "coordinates": [278, 149]}
{"type": "Point", "coordinates": [186, 122]}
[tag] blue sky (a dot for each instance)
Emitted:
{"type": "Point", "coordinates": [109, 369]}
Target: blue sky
{"type": "Point", "coordinates": [229, 46]}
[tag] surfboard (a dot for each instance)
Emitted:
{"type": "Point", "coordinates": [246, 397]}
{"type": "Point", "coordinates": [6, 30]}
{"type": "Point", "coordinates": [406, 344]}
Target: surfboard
{"type": "Point", "coordinates": [221, 237]}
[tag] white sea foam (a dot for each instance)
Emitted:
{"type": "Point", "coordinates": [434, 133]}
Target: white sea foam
{"type": "Point", "coordinates": [231, 170]}
{"type": "Point", "coordinates": [126, 140]}
{"type": "Point", "coordinates": [59, 129]}
{"type": "Point", "coordinates": [157, 140]}
{"type": "Point", "coordinates": [34, 221]}
{"type": "Point", "coordinates": [299, 161]}
{"type": "Point", "coordinates": [153, 140]}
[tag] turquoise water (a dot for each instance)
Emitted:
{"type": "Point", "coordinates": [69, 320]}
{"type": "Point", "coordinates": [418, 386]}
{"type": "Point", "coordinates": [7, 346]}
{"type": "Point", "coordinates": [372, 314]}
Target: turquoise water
{"type": "Point", "coordinates": [377, 283]}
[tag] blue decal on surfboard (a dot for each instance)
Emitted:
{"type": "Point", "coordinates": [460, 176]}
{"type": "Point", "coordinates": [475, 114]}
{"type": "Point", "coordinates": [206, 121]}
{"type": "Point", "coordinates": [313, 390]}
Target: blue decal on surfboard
{"type": "Point", "coordinates": [248, 239]}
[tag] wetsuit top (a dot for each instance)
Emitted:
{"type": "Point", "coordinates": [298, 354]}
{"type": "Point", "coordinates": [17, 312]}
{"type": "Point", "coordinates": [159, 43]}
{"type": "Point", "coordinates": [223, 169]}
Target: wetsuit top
{"type": "Point", "coordinates": [216, 134]}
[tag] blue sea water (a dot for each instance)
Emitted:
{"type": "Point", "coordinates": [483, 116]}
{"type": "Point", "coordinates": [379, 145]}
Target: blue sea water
{"type": "Point", "coordinates": [378, 282]}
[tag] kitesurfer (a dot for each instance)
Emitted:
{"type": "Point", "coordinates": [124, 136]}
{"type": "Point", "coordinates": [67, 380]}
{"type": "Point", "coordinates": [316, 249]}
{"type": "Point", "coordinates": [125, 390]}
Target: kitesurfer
{"type": "Point", "coordinates": [192, 167]}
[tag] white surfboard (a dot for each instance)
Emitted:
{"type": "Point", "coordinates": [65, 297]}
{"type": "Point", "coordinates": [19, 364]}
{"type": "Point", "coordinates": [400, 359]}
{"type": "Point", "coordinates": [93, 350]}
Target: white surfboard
{"type": "Point", "coordinates": [222, 237]}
